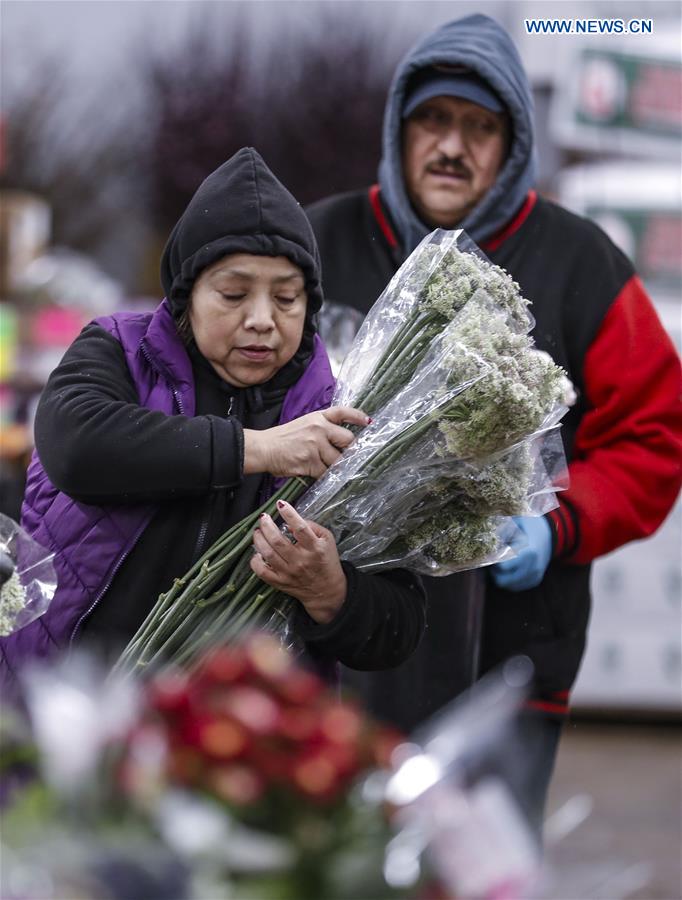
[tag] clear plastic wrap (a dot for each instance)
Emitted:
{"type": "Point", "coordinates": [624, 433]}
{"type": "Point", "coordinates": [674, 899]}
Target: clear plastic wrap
{"type": "Point", "coordinates": [465, 414]}
{"type": "Point", "coordinates": [467, 542]}
{"type": "Point", "coordinates": [410, 417]}
{"type": "Point", "coordinates": [467, 496]}
{"type": "Point", "coordinates": [29, 589]}
{"type": "Point", "coordinates": [337, 325]}
{"type": "Point", "coordinates": [423, 291]}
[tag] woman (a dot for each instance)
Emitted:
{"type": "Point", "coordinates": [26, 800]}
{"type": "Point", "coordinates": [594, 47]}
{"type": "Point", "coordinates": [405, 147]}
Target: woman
{"type": "Point", "coordinates": [158, 431]}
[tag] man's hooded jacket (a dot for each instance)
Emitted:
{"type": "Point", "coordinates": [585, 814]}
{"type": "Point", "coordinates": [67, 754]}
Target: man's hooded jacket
{"type": "Point", "coordinates": [623, 437]}
{"type": "Point", "coordinates": [478, 43]}
{"type": "Point", "coordinates": [139, 447]}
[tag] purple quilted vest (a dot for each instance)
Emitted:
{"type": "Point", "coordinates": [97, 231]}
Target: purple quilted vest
{"type": "Point", "coordinates": [91, 542]}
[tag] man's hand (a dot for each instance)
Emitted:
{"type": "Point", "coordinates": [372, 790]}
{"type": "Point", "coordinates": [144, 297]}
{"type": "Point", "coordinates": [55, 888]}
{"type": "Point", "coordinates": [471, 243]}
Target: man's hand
{"type": "Point", "coordinates": [533, 547]}
{"type": "Point", "coordinates": [306, 446]}
{"type": "Point", "coordinates": [309, 569]}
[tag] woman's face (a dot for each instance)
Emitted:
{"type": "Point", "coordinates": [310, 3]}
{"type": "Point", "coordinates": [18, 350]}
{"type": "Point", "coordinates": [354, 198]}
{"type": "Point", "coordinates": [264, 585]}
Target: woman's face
{"type": "Point", "coordinates": [247, 314]}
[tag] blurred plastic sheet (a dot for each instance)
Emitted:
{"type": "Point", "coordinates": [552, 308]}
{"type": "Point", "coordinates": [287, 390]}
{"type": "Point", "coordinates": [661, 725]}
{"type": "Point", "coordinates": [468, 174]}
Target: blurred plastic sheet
{"type": "Point", "coordinates": [28, 591]}
{"type": "Point", "coordinates": [455, 811]}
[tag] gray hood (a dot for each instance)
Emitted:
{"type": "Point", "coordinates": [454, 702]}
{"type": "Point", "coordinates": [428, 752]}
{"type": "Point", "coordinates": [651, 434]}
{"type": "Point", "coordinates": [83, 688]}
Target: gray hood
{"type": "Point", "coordinates": [482, 45]}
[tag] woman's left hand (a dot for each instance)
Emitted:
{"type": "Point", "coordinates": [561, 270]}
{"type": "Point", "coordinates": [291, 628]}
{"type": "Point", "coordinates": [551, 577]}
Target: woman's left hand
{"type": "Point", "coordinates": [309, 569]}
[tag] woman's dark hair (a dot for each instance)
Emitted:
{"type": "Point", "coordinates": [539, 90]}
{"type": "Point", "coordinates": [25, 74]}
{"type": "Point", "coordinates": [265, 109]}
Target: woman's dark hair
{"type": "Point", "coordinates": [183, 325]}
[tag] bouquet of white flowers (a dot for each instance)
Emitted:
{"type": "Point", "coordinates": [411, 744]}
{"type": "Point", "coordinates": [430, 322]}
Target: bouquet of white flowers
{"type": "Point", "coordinates": [463, 435]}
{"type": "Point", "coordinates": [451, 333]}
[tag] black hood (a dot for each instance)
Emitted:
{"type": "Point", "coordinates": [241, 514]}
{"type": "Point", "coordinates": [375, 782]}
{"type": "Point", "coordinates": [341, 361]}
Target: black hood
{"type": "Point", "coordinates": [239, 208]}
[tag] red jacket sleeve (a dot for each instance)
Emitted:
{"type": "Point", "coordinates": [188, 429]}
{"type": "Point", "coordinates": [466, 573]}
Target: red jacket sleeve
{"type": "Point", "coordinates": [626, 469]}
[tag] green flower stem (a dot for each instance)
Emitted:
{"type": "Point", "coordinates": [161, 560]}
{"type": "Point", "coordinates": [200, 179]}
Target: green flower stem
{"type": "Point", "coordinates": [252, 581]}
{"type": "Point", "coordinates": [170, 611]}
{"type": "Point", "coordinates": [164, 643]}
{"type": "Point", "coordinates": [257, 615]}
{"type": "Point", "coordinates": [238, 578]}
{"type": "Point", "coordinates": [384, 388]}
{"type": "Point", "coordinates": [171, 618]}
{"type": "Point", "coordinates": [395, 371]}
{"type": "Point", "coordinates": [207, 631]}
{"type": "Point", "coordinates": [241, 569]}
{"type": "Point", "coordinates": [402, 336]}
{"type": "Point", "coordinates": [194, 581]}
{"type": "Point", "coordinates": [240, 584]}
{"type": "Point", "coordinates": [245, 619]}
{"type": "Point", "coordinates": [395, 449]}
{"type": "Point", "coordinates": [189, 609]}
{"type": "Point", "coordinates": [198, 617]}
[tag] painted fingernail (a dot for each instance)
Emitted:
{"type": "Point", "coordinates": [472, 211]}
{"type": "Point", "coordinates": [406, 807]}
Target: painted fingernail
{"type": "Point", "coordinates": [369, 421]}
{"type": "Point", "coordinates": [281, 504]}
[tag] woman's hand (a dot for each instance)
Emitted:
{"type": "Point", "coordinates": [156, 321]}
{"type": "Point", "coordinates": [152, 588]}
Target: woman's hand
{"type": "Point", "coordinates": [309, 569]}
{"type": "Point", "coordinates": [306, 446]}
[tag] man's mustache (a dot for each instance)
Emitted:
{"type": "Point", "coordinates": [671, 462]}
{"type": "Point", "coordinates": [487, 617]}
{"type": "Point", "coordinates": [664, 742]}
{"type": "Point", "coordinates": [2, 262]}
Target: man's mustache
{"type": "Point", "coordinates": [448, 166]}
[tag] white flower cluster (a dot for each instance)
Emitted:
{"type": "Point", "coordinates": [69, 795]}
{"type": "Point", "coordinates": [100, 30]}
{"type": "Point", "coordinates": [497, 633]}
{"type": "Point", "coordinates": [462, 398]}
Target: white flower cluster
{"type": "Point", "coordinates": [12, 602]}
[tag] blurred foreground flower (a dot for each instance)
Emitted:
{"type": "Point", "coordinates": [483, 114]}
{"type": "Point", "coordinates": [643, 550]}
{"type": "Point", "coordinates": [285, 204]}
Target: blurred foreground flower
{"type": "Point", "coordinates": [245, 778]}
{"type": "Point", "coordinates": [242, 775]}
{"type": "Point", "coordinates": [250, 730]}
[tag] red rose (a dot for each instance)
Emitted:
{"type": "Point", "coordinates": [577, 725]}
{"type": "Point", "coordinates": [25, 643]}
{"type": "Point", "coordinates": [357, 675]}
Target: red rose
{"type": "Point", "coordinates": [225, 665]}
{"type": "Point", "coordinates": [237, 784]}
{"type": "Point", "coordinates": [253, 708]}
{"type": "Point", "coordinates": [170, 692]}
{"type": "Point", "coordinates": [299, 723]}
{"type": "Point", "coordinates": [341, 723]}
{"type": "Point", "coordinates": [300, 687]}
{"type": "Point", "coordinates": [316, 776]}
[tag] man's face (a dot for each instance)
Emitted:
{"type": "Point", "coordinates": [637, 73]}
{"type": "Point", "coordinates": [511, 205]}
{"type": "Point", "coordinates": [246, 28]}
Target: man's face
{"type": "Point", "coordinates": [453, 150]}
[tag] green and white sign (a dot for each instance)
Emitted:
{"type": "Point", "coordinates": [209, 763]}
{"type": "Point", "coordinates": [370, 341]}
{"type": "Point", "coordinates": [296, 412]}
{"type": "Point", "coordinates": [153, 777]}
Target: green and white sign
{"type": "Point", "coordinates": [639, 205]}
{"type": "Point", "coordinates": [652, 238]}
{"type": "Point", "coordinates": [621, 101]}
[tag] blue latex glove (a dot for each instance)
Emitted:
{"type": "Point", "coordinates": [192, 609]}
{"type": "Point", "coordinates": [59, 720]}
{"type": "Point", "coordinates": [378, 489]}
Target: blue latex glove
{"type": "Point", "coordinates": [533, 546]}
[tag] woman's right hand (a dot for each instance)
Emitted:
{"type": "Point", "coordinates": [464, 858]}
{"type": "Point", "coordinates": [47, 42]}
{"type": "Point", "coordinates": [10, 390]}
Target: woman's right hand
{"type": "Point", "coordinates": [306, 446]}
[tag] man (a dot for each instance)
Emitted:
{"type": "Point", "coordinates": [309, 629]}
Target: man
{"type": "Point", "coordinates": [458, 152]}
